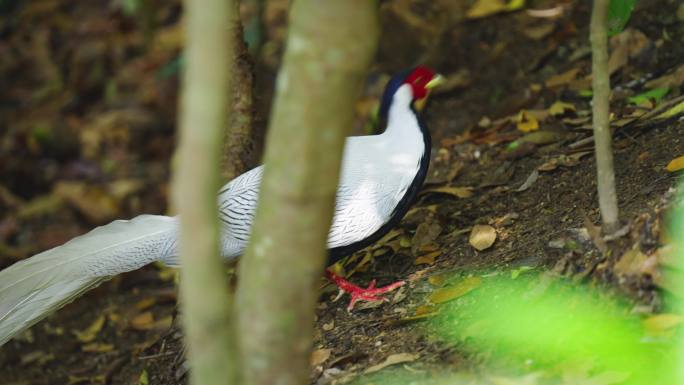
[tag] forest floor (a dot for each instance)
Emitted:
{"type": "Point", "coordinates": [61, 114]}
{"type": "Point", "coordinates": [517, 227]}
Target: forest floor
{"type": "Point", "coordinates": [88, 110]}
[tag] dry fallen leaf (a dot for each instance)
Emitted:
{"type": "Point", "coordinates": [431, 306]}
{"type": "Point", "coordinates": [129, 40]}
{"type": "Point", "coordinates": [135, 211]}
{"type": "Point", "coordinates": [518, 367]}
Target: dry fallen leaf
{"type": "Point", "coordinates": [560, 107]}
{"type": "Point", "coordinates": [98, 379]}
{"type": "Point", "coordinates": [542, 137]}
{"type": "Point", "coordinates": [91, 331]}
{"type": "Point", "coordinates": [662, 324]}
{"type": "Point", "coordinates": [393, 360]}
{"type": "Point", "coordinates": [438, 279]}
{"type": "Point", "coordinates": [540, 115]}
{"type": "Point", "coordinates": [675, 164]}
{"type": "Point", "coordinates": [122, 188]}
{"type": "Point", "coordinates": [319, 356]}
{"type": "Point", "coordinates": [594, 233]}
{"type": "Point", "coordinates": [41, 205]}
{"type": "Point", "coordinates": [97, 348]}
{"type": "Point", "coordinates": [631, 262]}
{"type": "Point", "coordinates": [482, 237]}
{"type": "Point", "coordinates": [581, 85]}
{"type": "Point", "coordinates": [144, 321]}
{"type": "Point", "coordinates": [562, 79]}
{"type": "Point", "coordinates": [618, 58]}
{"type": "Point", "coordinates": [455, 291]}
{"type": "Point", "coordinates": [538, 32]}
{"type": "Point", "coordinates": [504, 220]}
{"type": "Point", "coordinates": [484, 8]}
{"type": "Point", "coordinates": [527, 122]}
{"type": "Point", "coordinates": [529, 181]}
{"type": "Point", "coordinates": [671, 80]}
{"type": "Point", "coordinates": [626, 45]}
{"type": "Point", "coordinates": [145, 303]}
{"type": "Point", "coordinates": [388, 237]}
{"type": "Point", "coordinates": [37, 357]}
{"type": "Point", "coordinates": [428, 258]}
{"type": "Point", "coordinates": [577, 121]}
{"type": "Point", "coordinates": [329, 326]}
{"type": "Point", "coordinates": [163, 323]}
{"type": "Point", "coordinates": [93, 202]}
{"type": "Point", "coordinates": [460, 192]}
{"type": "Point", "coordinates": [672, 111]}
{"type": "Point", "coordinates": [428, 248]}
{"type": "Point", "coordinates": [426, 309]}
{"type": "Point", "coordinates": [424, 236]}
{"type": "Point", "coordinates": [563, 160]}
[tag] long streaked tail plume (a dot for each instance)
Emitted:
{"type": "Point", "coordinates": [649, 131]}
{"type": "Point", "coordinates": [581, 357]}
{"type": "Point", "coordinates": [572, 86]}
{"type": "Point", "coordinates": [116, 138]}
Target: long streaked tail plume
{"type": "Point", "coordinates": [33, 288]}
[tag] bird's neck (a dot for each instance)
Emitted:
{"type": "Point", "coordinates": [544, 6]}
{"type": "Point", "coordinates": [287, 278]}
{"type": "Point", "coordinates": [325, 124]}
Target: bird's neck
{"type": "Point", "coordinates": [404, 126]}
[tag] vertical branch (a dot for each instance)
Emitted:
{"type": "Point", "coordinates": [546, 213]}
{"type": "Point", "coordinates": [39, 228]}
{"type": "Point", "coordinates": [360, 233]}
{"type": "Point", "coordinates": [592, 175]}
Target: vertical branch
{"type": "Point", "coordinates": [238, 139]}
{"type": "Point", "coordinates": [601, 109]}
{"type": "Point", "coordinates": [329, 48]}
{"type": "Point", "coordinates": [207, 310]}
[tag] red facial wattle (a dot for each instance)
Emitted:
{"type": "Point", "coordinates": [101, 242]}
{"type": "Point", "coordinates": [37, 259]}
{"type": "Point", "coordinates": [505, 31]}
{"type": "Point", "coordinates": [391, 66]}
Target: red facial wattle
{"type": "Point", "coordinates": [418, 79]}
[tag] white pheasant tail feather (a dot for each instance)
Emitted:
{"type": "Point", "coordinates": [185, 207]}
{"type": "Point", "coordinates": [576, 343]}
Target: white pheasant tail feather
{"type": "Point", "coordinates": [35, 287]}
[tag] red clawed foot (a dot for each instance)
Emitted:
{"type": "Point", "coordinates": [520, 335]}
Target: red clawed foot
{"type": "Point", "coordinates": [371, 293]}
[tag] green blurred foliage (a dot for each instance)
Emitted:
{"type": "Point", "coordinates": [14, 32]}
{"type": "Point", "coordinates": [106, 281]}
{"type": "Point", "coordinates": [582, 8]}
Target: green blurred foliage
{"type": "Point", "coordinates": [619, 12]}
{"type": "Point", "coordinates": [548, 325]}
{"type": "Point", "coordinates": [656, 95]}
{"type": "Point", "coordinates": [676, 300]}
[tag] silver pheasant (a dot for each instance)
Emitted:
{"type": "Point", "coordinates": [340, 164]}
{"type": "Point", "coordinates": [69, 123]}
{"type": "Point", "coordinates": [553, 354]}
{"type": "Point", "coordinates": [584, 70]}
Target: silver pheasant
{"type": "Point", "coordinates": [380, 176]}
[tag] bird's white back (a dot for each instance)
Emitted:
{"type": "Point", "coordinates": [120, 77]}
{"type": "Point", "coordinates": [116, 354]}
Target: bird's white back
{"type": "Point", "coordinates": [376, 172]}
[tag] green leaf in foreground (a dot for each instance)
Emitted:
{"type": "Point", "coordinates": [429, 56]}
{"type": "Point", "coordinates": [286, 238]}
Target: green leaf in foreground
{"type": "Point", "coordinates": [655, 95]}
{"type": "Point", "coordinates": [619, 12]}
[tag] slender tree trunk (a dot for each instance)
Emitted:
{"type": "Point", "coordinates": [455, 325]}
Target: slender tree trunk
{"type": "Point", "coordinates": [206, 307]}
{"type": "Point", "coordinates": [238, 145]}
{"type": "Point", "coordinates": [330, 45]}
{"type": "Point", "coordinates": [601, 109]}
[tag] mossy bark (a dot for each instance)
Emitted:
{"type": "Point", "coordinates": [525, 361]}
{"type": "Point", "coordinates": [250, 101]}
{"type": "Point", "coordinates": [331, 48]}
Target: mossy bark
{"type": "Point", "coordinates": [207, 316]}
{"type": "Point", "coordinates": [329, 48]}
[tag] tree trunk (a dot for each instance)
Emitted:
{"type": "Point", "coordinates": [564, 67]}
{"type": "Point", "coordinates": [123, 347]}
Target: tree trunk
{"type": "Point", "coordinates": [601, 109]}
{"type": "Point", "coordinates": [238, 144]}
{"type": "Point", "coordinates": [330, 45]}
{"type": "Point", "coordinates": [206, 307]}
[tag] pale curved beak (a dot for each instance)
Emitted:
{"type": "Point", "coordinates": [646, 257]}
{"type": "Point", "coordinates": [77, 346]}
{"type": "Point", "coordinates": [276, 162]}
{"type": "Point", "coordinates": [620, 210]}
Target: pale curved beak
{"type": "Point", "coordinates": [434, 82]}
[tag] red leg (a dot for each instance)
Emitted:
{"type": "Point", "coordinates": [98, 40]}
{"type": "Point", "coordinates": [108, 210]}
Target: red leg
{"type": "Point", "coordinates": [371, 293]}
